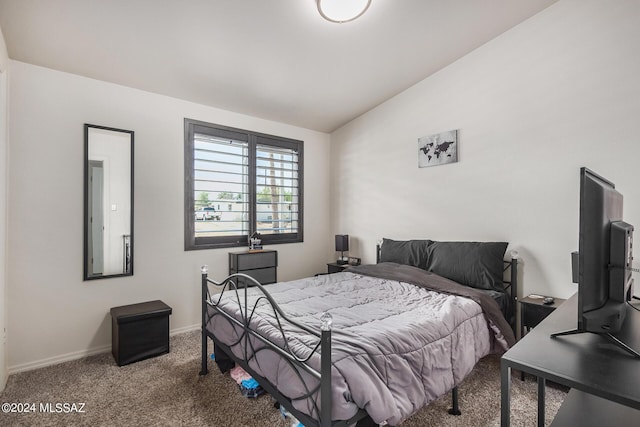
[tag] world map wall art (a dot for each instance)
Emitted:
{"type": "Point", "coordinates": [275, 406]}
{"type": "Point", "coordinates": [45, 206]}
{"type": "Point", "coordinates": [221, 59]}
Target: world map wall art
{"type": "Point", "coordinates": [438, 149]}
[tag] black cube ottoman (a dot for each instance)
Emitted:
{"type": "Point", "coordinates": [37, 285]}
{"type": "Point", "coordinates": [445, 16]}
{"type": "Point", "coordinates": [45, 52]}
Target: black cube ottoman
{"type": "Point", "coordinates": [139, 331]}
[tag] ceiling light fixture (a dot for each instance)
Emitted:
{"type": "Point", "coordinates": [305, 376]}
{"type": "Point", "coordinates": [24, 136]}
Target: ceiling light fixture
{"type": "Point", "coordinates": [341, 11]}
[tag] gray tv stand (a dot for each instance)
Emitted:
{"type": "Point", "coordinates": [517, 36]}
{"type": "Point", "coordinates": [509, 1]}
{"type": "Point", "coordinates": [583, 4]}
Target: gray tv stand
{"type": "Point", "coordinates": [604, 378]}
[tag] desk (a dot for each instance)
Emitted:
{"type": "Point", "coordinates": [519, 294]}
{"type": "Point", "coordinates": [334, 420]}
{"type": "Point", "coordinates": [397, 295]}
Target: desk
{"type": "Point", "coordinates": [586, 362]}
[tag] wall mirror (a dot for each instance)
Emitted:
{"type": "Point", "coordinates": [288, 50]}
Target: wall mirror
{"type": "Point", "coordinates": [108, 202]}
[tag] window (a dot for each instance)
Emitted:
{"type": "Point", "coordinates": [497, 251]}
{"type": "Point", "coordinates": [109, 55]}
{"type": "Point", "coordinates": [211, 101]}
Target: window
{"type": "Point", "coordinates": [257, 179]}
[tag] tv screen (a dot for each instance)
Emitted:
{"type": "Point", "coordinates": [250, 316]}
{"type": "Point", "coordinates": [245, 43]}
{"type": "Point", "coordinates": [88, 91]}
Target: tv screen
{"type": "Point", "coordinates": [600, 206]}
{"type": "Point", "coordinates": [604, 260]}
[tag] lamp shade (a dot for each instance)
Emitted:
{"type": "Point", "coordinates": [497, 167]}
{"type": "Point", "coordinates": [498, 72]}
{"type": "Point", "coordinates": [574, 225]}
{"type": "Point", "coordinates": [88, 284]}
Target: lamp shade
{"type": "Point", "coordinates": [342, 242]}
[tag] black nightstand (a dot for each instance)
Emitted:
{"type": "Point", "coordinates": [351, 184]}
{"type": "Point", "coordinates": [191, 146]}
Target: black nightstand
{"type": "Point", "coordinates": [332, 267]}
{"type": "Point", "coordinates": [533, 311]}
{"type": "Point", "coordinates": [261, 265]}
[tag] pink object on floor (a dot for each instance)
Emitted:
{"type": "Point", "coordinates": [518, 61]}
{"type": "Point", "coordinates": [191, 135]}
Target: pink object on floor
{"type": "Point", "coordinates": [238, 374]}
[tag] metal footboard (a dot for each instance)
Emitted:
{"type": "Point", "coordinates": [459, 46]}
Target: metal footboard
{"type": "Point", "coordinates": [248, 337]}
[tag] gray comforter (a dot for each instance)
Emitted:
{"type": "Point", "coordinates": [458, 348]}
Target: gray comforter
{"type": "Point", "coordinates": [396, 346]}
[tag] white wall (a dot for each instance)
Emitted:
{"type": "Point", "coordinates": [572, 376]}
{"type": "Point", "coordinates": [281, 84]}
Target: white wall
{"type": "Point", "coordinates": [4, 90]}
{"type": "Point", "coordinates": [555, 93]}
{"type": "Point", "coordinates": [53, 314]}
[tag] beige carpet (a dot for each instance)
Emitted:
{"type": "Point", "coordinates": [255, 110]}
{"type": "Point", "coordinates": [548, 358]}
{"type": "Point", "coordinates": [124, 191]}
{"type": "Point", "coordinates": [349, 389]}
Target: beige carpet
{"type": "Point", "coordinates": [167, 391]}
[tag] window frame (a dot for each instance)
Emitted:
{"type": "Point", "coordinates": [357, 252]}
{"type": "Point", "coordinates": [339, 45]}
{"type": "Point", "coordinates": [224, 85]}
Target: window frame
{"type": "Point", "coordinates": [191, 242]}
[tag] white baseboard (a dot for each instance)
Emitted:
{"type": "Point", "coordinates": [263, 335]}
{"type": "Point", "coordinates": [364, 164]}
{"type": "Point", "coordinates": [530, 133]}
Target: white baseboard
{"type": "Point", "coordinates": [29, 366]}
{"type": "Point", "coordinates": [185, 329]}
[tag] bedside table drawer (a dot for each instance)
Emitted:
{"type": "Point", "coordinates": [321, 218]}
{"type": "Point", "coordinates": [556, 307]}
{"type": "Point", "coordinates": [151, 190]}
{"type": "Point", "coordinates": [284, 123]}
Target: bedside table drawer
{"type": "Point", "coordinates": [336, 268]}
{"type": "Point", "coordinates": [251, 260]}
{"type": "Point", "coordinates": [534, 314]}
{"type": "Point", "coordinates": [263, 275]}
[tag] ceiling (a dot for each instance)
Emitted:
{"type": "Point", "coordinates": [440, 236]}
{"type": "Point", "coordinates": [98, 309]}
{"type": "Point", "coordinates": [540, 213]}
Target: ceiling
{"type": "Point", "coordinates": [275, 59]}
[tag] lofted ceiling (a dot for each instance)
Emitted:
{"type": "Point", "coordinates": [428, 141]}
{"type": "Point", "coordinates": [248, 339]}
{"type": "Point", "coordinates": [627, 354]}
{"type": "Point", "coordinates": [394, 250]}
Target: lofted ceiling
{"type": "Point", "coordinates": [273, 59]}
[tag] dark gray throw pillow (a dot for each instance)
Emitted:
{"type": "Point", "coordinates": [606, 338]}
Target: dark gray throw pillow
{"type": "Point", "coordinates": [475, 264]}
{"type": "Point", "coordinates": [408, 252]}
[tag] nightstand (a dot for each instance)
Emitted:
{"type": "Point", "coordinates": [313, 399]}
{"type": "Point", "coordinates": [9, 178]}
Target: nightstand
{"type": "Point", "coordinates": [261, 265]}
{"type": "Point", "coordinates": [332, 267]}
{"type": "Point", "coordinates": [534, 311]}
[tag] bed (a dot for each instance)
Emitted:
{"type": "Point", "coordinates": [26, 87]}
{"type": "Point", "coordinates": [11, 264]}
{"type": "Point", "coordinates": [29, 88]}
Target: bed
{"type": "Point", "coordinates": [372, 344]}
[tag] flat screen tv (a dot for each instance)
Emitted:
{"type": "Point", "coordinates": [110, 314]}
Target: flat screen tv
{"type": "Point", "coordinates": [605, 254]}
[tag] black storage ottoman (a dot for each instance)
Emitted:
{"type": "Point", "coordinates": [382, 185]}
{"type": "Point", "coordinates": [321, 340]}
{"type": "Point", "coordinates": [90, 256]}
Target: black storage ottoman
{"type": "Point", "coordinates": [139, 331]}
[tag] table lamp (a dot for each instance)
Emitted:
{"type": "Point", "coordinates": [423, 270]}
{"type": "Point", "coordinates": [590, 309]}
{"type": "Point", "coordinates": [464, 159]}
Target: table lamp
{"type": "Point", "coordinates": [342, 245]}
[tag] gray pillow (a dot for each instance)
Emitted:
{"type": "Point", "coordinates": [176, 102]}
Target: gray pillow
{"type": "Point", "coordinates": [408, 252]}
{"type": "Point", "coordinates": [475, 264]}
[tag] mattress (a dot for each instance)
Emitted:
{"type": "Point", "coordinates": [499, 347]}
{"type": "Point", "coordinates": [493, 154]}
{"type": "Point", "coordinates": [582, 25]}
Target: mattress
{"type": "Point", "coordinates": [396, 346]}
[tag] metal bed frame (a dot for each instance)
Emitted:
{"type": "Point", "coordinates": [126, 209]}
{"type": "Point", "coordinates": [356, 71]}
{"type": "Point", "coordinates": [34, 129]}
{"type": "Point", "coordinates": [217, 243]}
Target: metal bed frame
{"type": "Point", "coordinates": [299, 364]}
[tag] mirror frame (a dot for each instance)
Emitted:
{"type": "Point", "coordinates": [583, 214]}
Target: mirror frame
{"type": "Point", "coordinates": [86, 275]}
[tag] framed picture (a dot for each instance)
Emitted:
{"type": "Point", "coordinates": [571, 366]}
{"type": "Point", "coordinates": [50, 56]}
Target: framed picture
{"type": "Point", "coordinates": [438, 149]}
{"type": "Point", "coordinates": [353, 261]}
